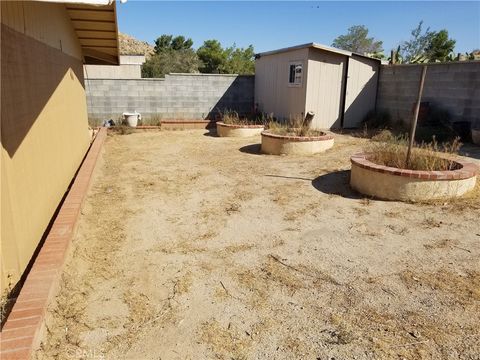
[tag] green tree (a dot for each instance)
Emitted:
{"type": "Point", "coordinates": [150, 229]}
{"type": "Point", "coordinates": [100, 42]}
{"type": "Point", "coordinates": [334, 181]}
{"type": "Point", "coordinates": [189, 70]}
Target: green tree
{"type": "Point", "coordinates": [168, 42]}
{"type": "Point", "coordinates": [440, 47]}
{"type": "Point", "coordinates": [172, 54]}
{"type": "Point", "coordinates": [171, 61]}
{"type": "Point", "coordinates": [413, 50]}
{"type": "Point", "coordinates": [179, 43]}
{"type": "Point", "coordinates": [240, 60]}
{"type": "Point", "coordinates": [163, 43]}
{"type": "Point", "coordinates": [213, 57]}
{"type": "Point", "coordinates": [232, 60]}
{"type": "Point", "coordinates": [357, 40]}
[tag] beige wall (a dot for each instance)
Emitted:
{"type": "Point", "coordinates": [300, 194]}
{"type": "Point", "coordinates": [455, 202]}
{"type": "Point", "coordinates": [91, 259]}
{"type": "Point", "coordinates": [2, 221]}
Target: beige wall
{"type": "Point", "coordinates": [112, 71]}
{"type": "Point", "coordinates": [130, 68]}
{"type": "Point", "coordinates": [44, 125]}
{"type": "Point", "coordinates": [48, 23]}
{"type": "Point", "coordinates": [272, 91]}
{"type": "Point", "coordinates": [325, 87]}
{"type": "Point", "coordinates": [361, 90]}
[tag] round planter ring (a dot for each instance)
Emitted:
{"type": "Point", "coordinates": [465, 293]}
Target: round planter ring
{"type": "Point", "coordinates": [391, 183]}
{"type": "Point", "coordinates": [233, 130]}
{"type": "Point", "coordinates": [295, 145]}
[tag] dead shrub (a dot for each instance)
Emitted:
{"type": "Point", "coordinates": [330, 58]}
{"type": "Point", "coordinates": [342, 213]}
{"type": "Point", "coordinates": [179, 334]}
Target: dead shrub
{"type": "Point", "coordinates": [294, 127]}
{"type": "Point", "coordinates": [122, 130]}
{"type": "Point", "coordinates": [390, 150]}
{"type": "Point", "coordinates": [231, 117]}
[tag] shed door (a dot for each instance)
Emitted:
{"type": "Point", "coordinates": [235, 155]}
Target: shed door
{"type": "Point", "coordinates": [325, 88]}
{"type": "Point", "coordinates": [361, 90]}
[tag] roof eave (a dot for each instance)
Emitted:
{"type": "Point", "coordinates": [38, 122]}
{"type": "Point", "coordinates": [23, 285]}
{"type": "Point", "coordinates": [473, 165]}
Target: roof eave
{"type": "Point", "coordinates": [96, 28]}
{"type": "Point", "coordinates": [314, 46]}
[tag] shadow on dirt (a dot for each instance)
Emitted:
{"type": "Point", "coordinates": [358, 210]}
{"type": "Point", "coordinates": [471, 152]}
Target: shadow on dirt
{"type": "Point", "coordinates": [336, 183]}
{"type": "Point", "coordinates": [211, 133]}
{"type": "Point", "coordinates": [254, 149]}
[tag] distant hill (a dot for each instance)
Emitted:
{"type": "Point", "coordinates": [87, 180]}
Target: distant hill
{"type": "Point", "coordinates": [131, 46]}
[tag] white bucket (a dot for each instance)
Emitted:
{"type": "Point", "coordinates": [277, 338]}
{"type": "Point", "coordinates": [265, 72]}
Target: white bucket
{"type": "Point", "coordinates": [132, 118]}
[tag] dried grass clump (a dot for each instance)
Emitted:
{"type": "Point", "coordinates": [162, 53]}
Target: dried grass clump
{"type": "Point", "coordinates": [233, 118]}
{"type": "Point", "coordinates": [390, 150]}
{"type": "Point", "coordinates": [122, 129]}
{"type": "Point", "coordinates": [294, 127]}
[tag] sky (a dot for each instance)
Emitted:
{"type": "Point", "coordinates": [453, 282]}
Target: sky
{"type": "Point", "coordinates": [269, 25]}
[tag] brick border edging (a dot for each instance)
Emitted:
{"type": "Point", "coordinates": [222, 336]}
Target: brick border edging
{"type": "Point", "coordinates": [22, 331]}
{"type": "Point", "coordinates": [238, 126]}
{"type": "Point", "coordinates": [298, 138]}
{"type": "Point", "coordinates": [466, 171]}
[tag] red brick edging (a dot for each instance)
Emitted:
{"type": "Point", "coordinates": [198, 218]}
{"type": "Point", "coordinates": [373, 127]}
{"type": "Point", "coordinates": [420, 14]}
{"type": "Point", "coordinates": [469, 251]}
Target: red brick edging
{"type": "Point", "coordinates": [240, 126]}
{"type": "Point", "coordinates": [466, 170]}
{"type": "Point", "coordinates": [298, 138]}
{"type": "Point", "coordinates": [22, 331]}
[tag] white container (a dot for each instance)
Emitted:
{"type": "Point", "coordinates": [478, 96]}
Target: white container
{"type": "Point", "coordinates": [132, 118]}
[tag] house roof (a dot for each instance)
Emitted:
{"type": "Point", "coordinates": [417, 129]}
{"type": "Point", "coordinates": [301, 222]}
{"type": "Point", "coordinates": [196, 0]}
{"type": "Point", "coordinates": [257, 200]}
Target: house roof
{"type": "Point", "coordinates": [314, 46]}
{"type": "Point", "coordinates": [95, 23]}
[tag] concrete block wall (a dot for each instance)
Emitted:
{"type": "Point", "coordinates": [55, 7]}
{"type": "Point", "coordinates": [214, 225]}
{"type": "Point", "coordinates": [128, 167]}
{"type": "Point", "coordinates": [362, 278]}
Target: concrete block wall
{"type": "Point", "coordinates": [178, 96]}
{"type": "Point", "coordinates": [453, 86]}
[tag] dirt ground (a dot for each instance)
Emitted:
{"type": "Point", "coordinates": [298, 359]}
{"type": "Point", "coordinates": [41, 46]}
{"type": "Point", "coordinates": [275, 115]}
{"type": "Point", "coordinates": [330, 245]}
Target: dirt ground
{"type": "Point", "coordinates": [192, 246]}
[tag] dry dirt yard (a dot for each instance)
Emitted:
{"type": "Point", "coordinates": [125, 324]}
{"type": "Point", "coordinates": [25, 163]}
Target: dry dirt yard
{"type": "Point", "coordinates": [197, 247]}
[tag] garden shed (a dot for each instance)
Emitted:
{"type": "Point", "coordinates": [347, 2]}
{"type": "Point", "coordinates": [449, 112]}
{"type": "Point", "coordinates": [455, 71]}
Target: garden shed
{"type": "Point", "coordinates": [339, 86]}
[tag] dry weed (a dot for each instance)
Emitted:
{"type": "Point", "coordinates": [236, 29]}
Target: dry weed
{"type": "Point", "coordinates": [226, 342]}
{"type": "Point", "coordinates": [389, 150]}
{"type": "Point", "coordinates": [460, 289]}
{"type": "Point", "coordinates": [293, 128]}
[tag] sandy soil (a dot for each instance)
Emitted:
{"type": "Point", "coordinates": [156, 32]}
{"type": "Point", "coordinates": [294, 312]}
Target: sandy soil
{"type": "Point", "coordinates": [197, 247]}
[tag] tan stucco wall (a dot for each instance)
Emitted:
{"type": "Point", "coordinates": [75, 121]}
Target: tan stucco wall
{"type": "Point", "coordinates": [272, 91]}
{"type": "Point", "coordinates": [130, 68]}
{"type": "Point", "coordinates": [44, 130]}
{"type": "Point", "coordinates": [113, 71]}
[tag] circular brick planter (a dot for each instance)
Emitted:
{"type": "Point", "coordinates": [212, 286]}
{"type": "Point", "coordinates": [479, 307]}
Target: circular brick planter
{"type": "Point", "coordinates": [231, 130]}
{"type": "Point", "coordinates": [476, 136]}
{"type": "Point", "coordinates": [295, 145]}
{"type": "Point", "coordinates": [392, 183]}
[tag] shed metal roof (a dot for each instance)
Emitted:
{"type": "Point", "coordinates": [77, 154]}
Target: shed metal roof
{"type": "Point", "coordinates": [315, 46]}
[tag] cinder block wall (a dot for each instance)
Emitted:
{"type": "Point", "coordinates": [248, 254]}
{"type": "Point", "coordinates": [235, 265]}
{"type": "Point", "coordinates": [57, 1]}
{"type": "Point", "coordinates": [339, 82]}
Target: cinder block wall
{"type": "Point", "coordinates": [452, 86]}
{"type": "Point", "coordinates": [178, 96]}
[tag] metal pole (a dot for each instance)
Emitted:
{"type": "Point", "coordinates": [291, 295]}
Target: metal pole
{"type": "Point", "coordinates": [413, 126]}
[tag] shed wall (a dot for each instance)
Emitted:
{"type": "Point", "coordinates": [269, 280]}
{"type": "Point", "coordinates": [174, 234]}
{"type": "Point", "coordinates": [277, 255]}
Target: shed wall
{"type": "Point", "coordinates": [361, 90]}
{"type": "Point", "coordinates": [272, 91]}
{"type": "Point", "coordinates": [325, 88]}
{"type": "Point", "coordinates": [44, 130]}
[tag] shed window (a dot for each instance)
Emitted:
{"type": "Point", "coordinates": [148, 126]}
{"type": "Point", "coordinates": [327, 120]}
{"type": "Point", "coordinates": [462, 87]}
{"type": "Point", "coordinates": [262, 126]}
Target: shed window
{"type": "Point", "coordinates": [295, 74]}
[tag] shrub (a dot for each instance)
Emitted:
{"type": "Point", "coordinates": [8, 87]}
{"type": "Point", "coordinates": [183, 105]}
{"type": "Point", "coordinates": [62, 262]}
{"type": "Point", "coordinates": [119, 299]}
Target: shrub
{"type": "Point", "coordinates": [377, 119]}
{"type": "Point", "coordinates": [233, 118]}
{"type": "Point", "coordinates": [390, 150]}
{"type": "Point", "coordinates": [294, 127]}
